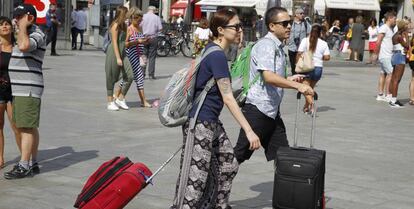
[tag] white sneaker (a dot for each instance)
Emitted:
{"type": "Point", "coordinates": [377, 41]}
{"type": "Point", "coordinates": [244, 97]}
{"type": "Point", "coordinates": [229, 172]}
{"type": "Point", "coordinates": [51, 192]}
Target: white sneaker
{"type": "Point", "coordinates": [388, 98]}
{"type": "Point", "coordinates": [122, 104]}
{"type": "Point", "coordinates": [112, 106]}
{"type": "Point", "coordinates": [382, 98]}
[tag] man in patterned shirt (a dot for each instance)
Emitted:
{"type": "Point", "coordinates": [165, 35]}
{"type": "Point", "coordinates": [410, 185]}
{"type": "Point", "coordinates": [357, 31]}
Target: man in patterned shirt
{"type": "Point", "coordinates": [264, 97]}
{"type": "Point", "coordinates": [26, 79]}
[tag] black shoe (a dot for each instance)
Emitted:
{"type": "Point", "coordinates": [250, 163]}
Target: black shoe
{"type": "Point", "coordinates": [18, 172]}
{"type": "Point", "coordinates": [153, 77]}
{"type": "Point", "coordinates": [54, 54]}
{"type": "Point", "coordinates": [73, 48]}
{"type": "Point", "coordinates": [35, 168]}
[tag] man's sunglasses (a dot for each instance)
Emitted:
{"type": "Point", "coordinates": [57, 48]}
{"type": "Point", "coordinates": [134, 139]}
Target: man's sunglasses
{"type": "Point", "coordinates": [285, 23]}
{"type": "Point", "coordinates": [237, 27]}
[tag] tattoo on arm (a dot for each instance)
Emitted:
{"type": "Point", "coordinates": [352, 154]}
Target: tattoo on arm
{"type": "Point", "coordinates": [224, 85]}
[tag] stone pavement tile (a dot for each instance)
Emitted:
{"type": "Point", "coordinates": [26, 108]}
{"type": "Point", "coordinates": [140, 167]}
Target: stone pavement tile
{"type": "Point", "coordinates": [394, 205]}
{"type": "Point", "coordinates": [335, 186]}
{"type": "Point", "coordinates": [337, 203]}
{"type": "Point", "coordinates": [359, 197]}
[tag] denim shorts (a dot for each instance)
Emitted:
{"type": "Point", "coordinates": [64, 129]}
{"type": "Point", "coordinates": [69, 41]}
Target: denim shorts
{"type": "Point", "coordinates": [397, 59]}
{"type": "Point", "coordinates": [314, 75]}
{"type": "Point", "coordinates": [386, 66]}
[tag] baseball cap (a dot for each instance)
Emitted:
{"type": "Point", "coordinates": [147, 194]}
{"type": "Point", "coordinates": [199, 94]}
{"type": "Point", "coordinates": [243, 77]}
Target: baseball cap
{"type": "Point", "coordinates": [24, 9]}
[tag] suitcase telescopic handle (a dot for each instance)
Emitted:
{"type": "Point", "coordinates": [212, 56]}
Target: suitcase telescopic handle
{"type": "Point", "coordinates": [149, 179]}
{"type": "Point", "coordinates": [295, 134]}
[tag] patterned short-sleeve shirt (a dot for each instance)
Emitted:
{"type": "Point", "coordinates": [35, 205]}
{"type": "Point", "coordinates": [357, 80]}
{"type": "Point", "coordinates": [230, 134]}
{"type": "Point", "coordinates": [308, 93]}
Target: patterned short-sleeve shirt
{"type": "Point", "coordinates": [267, 55]}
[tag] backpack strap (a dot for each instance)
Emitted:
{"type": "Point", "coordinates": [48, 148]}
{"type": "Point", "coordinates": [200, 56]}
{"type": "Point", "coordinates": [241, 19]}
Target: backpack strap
{"type": "Point", "coordinates": [202, 97]}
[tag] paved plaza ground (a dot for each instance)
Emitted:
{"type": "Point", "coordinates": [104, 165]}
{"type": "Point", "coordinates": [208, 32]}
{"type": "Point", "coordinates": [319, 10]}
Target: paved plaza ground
{"type": "Point", "coordinates": [369, 145]}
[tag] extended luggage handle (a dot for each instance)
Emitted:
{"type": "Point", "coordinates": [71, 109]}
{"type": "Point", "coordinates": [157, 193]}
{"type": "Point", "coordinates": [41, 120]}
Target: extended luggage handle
{"type": "Point", "coordinates": [295, 138]}
{"type": "Point", "coordinates": [148, 180]}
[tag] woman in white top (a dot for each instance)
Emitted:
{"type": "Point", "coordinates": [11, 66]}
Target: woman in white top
{"type": "Point", "coordinates": [321, 53]}
{"type": "Point", "coordinates": [373, 37]}
{"type": "Point", "coordinates": [201, 36]}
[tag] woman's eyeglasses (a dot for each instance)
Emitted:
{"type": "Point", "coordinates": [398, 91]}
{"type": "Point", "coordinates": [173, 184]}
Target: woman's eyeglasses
{"type": "Point", "coordinates": [237, 27]}
{"type": "Point", "coordinates": [285, 23]}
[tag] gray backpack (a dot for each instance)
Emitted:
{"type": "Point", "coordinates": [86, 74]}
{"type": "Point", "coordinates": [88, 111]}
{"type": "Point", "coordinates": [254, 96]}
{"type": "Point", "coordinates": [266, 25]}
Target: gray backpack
{"type": "Point", "coordinates": [177, 99]}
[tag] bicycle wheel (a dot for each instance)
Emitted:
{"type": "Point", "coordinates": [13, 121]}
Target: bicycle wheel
{"type": "Point", "coordinates": [163, 48]}
{"type": "Point", "coordinates": [187, 48]}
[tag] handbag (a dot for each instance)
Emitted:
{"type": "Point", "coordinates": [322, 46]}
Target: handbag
{"type": "Point", "coordinates": [305, 63]}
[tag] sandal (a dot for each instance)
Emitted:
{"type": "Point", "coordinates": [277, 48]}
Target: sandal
{"type": "Point", "coordinates": [411, 102]}
{"type": "Point", "coordinates": [146, 105]}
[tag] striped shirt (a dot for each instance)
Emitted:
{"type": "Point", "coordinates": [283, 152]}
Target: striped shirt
{"type": "Point", "coordinates": [25, 68]}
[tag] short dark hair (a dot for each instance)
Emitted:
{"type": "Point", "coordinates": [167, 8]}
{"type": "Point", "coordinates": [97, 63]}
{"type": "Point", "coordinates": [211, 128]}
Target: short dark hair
{"type": "Point", "coordinates": [220, 19]}
{"type": "Point", "coordinates": [389, 14]}
{"type": "Point", "coordinates": [271, 15]}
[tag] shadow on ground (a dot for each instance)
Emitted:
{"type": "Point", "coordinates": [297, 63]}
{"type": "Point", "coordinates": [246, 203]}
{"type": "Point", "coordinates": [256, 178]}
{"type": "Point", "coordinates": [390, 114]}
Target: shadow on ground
{"type": "Point", "coordinates": [60, 158]}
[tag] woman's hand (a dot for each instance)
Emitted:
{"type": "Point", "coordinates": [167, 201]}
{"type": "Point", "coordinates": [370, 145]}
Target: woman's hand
{"type": "Point", "coordinates": [119, 62]}
{"type": "Point", "coordinates": [253, 139]}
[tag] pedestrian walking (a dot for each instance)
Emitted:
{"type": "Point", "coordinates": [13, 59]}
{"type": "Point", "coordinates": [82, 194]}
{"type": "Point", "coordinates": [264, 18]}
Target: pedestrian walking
{"type": "Point", "coordinates": [262, 107]}
{"type": "Point", "coordinates": [300, 29]}
{"type": "Point", "coordinates": [334, 39]}
{"type": "Point", "coordinates": [400, 41]}
{"type": "Point", "coordinates": [135, 41]}
{"type": "Point", "coordinates": [117, 63]}
{"type": "Point", "coordinates": [321, 53]}
{"type": "Point", "coordinates": [348, 36]}
{"type": "Point", "coordinates": [53, 23]}
{"type": "Point", "coordinates": [81, 24]}
{"type": "Point", "coordinates": [357, 42]}
{"type": "Point", "coordinates": [384, 52]}
{"type": "Point", "coordinates": [151, 26]}
{"type": "Point", "coordinates": [72, 27]}
{"type": "Point", "coordinates": [6, 48]}
{"type": "Point", "coordinates": [26, 79]}
{"type": "Point", "coordinates": [201, 36]}
{"type": "Point", "coordinates": [372, 40]}
{"type": "Point", "coordinates": [213, 156]}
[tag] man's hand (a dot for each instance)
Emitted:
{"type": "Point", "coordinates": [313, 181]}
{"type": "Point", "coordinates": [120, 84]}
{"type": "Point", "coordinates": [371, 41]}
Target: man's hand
{"type": "Point", "coordinates": [306, 90]}
{"type": "Point", "coordinates": [253, 139]}
{"type": "Point", "coordinates": [297, 78]}
{"type": "Point", "coordinates": [23, 22]}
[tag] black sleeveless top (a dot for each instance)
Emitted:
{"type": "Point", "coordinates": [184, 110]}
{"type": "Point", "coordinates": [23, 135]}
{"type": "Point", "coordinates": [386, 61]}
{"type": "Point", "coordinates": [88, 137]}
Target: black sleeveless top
{"type": "Point", "coordinates": [5, 86]}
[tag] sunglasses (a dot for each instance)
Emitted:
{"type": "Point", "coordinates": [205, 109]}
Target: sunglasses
{"type": "Point", "coordinates": [285, 23]}
{"type": "Point", "coordinates": [237, 27]}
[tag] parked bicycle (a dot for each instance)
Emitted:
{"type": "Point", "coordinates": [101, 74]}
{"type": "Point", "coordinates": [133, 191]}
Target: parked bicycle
{"type": "Point", "coordinates": [169, 43]}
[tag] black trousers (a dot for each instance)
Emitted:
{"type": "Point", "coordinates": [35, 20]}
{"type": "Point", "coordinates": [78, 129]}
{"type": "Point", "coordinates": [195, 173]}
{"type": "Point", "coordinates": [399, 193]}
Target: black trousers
{"type": "Point", "coordinates": [75, 33]}
{"type": "Point", "coordinates": [292, 60]}
{"type": "Point", "coordinates": [74, 37]}
{"type": "Point", "coordinates": [272, 134]}
{"type": "Point", "coordinates": [52, 37]}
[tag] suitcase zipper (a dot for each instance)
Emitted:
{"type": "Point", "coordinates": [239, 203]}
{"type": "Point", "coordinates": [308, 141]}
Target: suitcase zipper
{"type": "Point", "coordinates": [100, 172]}
{"type": "Point", "coordinates": [100, 182]}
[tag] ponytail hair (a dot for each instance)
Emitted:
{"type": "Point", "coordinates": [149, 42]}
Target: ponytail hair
{"type": "Point", "coordinates": [314, 36]}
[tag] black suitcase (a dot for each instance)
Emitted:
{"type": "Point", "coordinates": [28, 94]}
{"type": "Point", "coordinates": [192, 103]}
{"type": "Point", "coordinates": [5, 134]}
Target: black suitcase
{"type": "Point", "coordinates": [300, 173]}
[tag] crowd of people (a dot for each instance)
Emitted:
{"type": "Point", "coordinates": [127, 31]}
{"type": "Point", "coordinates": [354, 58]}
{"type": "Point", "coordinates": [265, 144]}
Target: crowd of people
{"type": "Point", "coordinates": [21, 86]}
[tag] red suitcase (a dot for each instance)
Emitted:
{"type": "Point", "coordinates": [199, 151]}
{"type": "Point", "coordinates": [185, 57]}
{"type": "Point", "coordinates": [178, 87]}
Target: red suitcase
{"type": "Point", "coordinates": [115, 183]}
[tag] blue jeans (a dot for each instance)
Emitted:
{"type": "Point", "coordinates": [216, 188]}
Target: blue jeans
{"type": "Point", "coordinates": [314, 75]}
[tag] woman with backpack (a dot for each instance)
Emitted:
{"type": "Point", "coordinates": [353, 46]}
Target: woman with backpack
{"type": "Point", "coordinates": [320, 50]}
{"type": "Point", "coordinates": [117, 62]}
{"type": "Point", "coordinates": [206, 178]}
